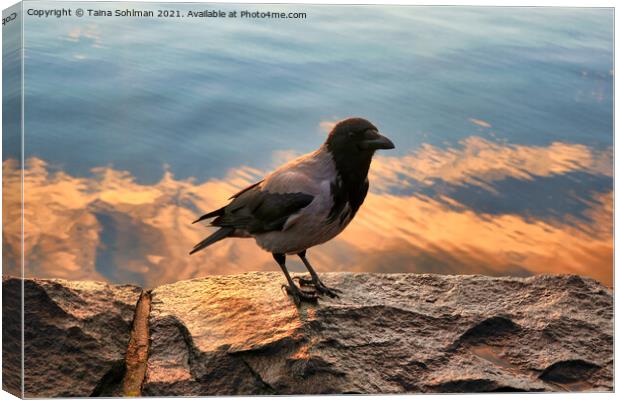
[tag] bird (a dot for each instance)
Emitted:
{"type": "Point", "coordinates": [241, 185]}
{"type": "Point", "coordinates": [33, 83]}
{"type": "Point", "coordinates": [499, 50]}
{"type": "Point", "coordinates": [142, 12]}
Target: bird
{"type": "Point", "coordinates": [303, 203]}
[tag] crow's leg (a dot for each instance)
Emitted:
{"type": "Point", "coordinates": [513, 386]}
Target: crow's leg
{"type": "Point", "coordinates": [291, 288]}
{"type": "Point", "coordinates": [320, 287]}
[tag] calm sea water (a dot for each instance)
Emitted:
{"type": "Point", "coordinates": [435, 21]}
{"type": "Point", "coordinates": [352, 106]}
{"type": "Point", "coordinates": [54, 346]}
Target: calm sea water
{"type": "Point", "coordinates": [198, 94]}
{"type": "Point", "coordinates": [199, 97]}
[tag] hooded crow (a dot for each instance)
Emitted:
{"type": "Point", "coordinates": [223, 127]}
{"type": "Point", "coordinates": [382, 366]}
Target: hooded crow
{"type": "Point", "coordinates": [305, 202]}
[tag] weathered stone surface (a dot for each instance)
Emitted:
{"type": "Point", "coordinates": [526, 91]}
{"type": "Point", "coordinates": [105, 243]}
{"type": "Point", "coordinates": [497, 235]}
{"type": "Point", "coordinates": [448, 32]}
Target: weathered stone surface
{"type": "Point", "coordinates": [11, 336]}
{"type": "Point", "coordinates": [387, 333]}
{"type": "Point", "coordinates": [76, 335]}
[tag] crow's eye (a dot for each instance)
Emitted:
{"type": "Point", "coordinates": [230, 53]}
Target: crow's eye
{"type": "Point", "coordinates": [357, 135]}
{"type": "Point", "coordinates": [371, 134]}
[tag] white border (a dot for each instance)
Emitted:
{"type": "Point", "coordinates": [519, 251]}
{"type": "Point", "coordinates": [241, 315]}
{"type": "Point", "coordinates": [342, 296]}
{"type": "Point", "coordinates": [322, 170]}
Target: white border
{"type": "Point", "coordinates": [524, 3]}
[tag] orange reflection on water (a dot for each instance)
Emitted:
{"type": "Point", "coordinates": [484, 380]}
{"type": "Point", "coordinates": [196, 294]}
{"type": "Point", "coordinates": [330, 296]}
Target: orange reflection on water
{"type": "Point", "coordinates": [415, 231]}
{"type": "Point", "coordinates": [109, 227]}
{"type": "Point", "coordinates": [478, 161]}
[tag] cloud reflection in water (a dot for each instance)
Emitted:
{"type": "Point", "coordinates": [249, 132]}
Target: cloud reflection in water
{"type": "Point", "coordinates": [109, 227]}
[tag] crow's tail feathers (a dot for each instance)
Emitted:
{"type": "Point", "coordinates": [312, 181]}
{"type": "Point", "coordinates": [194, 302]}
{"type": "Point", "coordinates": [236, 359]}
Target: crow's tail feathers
{"type": "Point", "coordinates": [215, 237]}
{"type": "Point", "coordinates": [218, 212]}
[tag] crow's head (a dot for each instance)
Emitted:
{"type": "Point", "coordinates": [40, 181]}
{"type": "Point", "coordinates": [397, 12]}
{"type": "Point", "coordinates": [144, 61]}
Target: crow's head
{"type": "Point", "coordinates": [356, 136]}
{"type": "Point", "coordinates": [352, 143]}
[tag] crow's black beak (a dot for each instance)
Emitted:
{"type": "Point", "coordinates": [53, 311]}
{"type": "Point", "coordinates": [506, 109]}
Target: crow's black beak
{"type": "Point", "coordinates": [377, 143]}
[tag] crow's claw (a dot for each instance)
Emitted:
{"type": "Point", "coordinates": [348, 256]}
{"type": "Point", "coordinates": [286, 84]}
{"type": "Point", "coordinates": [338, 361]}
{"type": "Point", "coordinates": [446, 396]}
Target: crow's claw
{"type": "Point", "coordinates": [331, 292]}
{"type": "Point", "coordinates": [318, 286]}
{"type": "Point", "coordinates": [300, 295]}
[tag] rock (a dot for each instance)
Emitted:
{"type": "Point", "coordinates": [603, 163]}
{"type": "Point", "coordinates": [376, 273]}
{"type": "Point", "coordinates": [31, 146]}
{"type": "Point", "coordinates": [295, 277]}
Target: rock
{"type": "Point", "coordinates": [240, 334]}
{"type": "Point", "coordinates": [11, 336]}
{"type": "Point", "coordinates": [76, 335]}
{"type": "Point", "coordinates": [387, 333]}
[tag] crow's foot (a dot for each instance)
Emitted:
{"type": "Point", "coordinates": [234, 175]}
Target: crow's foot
{"type": "Point", "coordinates": [303, 281]}
{"type": "Point", "coordinates": [300, 295]}
{"type": "Point", "coordinates": [318, 286]}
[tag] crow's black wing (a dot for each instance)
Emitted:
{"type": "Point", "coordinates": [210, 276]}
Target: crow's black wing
{"type": "Point", "coordinates": [239, 193]}
{"type": "Point", "coordinates": [258, 211]}
{"type": "Point", "coordinates": [220, 211]}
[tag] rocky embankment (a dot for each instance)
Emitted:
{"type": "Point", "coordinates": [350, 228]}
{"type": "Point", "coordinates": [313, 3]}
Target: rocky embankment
{"type": "Point", "coordinates": [387, 333]}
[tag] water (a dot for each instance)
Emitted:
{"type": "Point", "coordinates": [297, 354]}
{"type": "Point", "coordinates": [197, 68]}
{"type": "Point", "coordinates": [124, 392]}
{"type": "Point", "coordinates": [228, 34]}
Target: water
{"type": "Point", "coordinates": [503, 112]}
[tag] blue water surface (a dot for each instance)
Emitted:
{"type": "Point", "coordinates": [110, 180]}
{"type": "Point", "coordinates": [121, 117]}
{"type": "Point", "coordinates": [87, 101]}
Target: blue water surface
{"type": "Point", "coordinates": [201, 96]}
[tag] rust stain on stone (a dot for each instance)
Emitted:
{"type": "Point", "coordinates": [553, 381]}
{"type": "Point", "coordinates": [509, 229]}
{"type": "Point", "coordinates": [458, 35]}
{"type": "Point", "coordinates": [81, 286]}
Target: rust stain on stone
{"type": "Point", "coordinates": [138, 348]}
